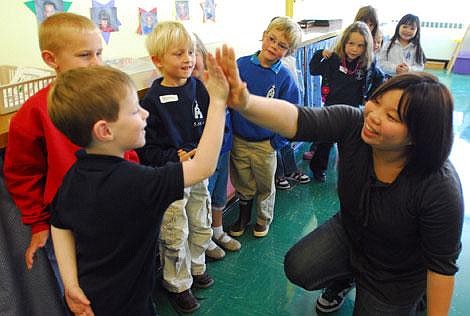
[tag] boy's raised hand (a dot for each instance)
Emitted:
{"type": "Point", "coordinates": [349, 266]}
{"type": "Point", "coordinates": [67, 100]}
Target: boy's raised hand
{"type": "Point", "coordinates": [326, 53]}
{"type": "Point", "coordinates": [214, 79]}
{"type": "Point", "coordinates": [239, 95]}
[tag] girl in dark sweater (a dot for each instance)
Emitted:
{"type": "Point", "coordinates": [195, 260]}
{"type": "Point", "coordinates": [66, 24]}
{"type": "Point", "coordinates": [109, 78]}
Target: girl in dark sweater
{"type": "Point", "coordinates": [349, 76]}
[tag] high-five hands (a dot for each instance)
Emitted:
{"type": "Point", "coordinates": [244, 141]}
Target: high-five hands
{"type": "Point", "coordinates": [238, 93]}
{"type": "Point", "coordinates": [214, 78]}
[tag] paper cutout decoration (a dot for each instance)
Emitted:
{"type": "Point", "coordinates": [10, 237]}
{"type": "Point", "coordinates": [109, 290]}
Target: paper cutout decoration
{"type": "Point", "coordinates": [105, 18]}
{"type": "Point", "coordinates": [44, 8]}
{"type": "Point", "coordinates": [208, 11]}
{"type": "Point", "coordinates": [147, 21]}
{"type": "Point", "coordinates": [182, 10]}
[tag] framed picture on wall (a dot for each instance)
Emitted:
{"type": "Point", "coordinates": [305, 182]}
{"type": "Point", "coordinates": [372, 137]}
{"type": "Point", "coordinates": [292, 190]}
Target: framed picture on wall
{"type": "Point", "coordinates": [208, 10]}
{"type": "Point", "coordinates": [105, 18]}
{"type": "Point", "coordinates": [182, 10]}
{"type": "Point", "coordinates": [46, 8]}
{"type": "Point", "coordinates": [148, 20]}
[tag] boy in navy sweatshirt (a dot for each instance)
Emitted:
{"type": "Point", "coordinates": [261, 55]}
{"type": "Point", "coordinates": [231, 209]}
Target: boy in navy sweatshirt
{"type": "Point", "coordinates": [177, 104]}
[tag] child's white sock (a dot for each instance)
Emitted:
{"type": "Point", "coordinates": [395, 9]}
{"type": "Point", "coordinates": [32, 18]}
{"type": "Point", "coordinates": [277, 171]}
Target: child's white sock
{"type": "Point", "coordinates": [218, 231]}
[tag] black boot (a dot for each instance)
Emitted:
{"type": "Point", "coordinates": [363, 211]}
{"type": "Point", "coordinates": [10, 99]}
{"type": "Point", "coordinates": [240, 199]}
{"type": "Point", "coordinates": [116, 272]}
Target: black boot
{"type": "Point", "coordinates": [238, 228]}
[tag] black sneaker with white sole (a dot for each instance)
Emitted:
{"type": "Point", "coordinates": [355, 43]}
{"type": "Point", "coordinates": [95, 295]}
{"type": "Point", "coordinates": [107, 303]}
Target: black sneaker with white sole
{"type": "Point", "coordinates": [332, 299]}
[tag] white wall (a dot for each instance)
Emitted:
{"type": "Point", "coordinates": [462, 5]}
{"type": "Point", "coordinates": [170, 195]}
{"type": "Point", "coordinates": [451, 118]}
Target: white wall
{"type": "Point", "coordinates": [239, 23]}
{"type": "Point", "coordinates": [387, 9]}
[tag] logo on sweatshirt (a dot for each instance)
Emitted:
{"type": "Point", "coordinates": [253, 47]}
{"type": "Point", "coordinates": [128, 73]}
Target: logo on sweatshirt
{"type": "Point", "coordinates": [359, 74]}
{"type": "Point", "coordinates": [271, 92]}
{"type": "Point", "coordinates": [198, 116]}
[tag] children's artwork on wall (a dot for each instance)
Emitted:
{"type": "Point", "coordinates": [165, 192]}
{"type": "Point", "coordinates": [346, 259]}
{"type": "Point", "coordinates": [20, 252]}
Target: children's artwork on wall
{"type": "Point", "coordinates": [208, 11]}
{"type": "Point", "coordinates": [147, 21]}
{"type": "Point", "coordinates": [105, 17]}
{"type": "Point", "coordinates": [46, 8]}
{"type": "Point", "coordinates": [182, 10]}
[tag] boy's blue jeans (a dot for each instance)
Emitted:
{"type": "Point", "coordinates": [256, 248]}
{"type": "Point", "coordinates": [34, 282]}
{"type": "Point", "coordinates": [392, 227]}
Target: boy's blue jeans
{"type": "Point", "coordinates": [49, 249]}
{"type": "Point", "coordinates": [218, 182]}
{"type": "Point", "coordinates": [286, 163]}
{"type": "Point", "coordinates": [322, 257]}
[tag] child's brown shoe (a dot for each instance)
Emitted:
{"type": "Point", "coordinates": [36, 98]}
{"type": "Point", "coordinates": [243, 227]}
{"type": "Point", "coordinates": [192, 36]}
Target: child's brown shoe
{"type": "Point", "coordinates": [183, 302]}
{"type": "Point", "coordinates": [216, 253]}
{"type": "Point", "coordinates": [202, 281]}
{"type": "Point", "coordinates": [260, 230]}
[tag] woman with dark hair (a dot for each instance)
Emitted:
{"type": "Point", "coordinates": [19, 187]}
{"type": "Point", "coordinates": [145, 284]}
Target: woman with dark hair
{"type": "Point", "coordinates": [401, 208]}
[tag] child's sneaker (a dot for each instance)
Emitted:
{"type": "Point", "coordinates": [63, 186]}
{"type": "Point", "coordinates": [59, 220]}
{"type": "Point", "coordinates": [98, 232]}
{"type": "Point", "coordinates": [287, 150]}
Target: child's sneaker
{"type": "Point", "coordinates": [260, 230]}
{"type": "Point", "coordinates": [299, 177]}
{"type": "Point", "coordinates": [282, 184]}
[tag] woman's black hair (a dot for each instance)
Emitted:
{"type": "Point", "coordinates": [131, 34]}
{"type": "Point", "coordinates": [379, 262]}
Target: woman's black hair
{"type": "Point", "coordinates": [426, 107]}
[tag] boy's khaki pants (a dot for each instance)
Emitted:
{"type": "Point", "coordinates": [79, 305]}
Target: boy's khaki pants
{"type": "Point", "coordinates": [252, 168]}
{"type": "Point", "coordinates": [185, 234]}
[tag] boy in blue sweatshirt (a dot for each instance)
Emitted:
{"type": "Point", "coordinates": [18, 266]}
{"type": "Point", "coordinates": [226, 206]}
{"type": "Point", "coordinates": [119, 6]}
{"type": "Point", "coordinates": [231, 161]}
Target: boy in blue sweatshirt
{"type": "Point", "coordinates": [253, 156]}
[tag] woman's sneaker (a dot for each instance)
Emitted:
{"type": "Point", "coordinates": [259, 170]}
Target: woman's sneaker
{"type": "Point", "coordinates": [282, 184]}
{"type": "Point", "coordinates": [332, 299]}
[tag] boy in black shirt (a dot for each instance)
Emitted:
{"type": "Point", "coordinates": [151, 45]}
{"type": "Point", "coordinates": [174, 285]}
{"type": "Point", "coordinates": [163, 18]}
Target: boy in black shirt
{"type": "Point", "coordinates": [106, 215]}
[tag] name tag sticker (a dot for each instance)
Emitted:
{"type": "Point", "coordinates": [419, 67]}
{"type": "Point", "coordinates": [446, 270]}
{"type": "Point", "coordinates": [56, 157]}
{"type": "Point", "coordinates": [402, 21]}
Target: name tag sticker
{"type": "Point", "coordinates": [343, 69]}
{"type": "Point", "coordinates": [168, 98]}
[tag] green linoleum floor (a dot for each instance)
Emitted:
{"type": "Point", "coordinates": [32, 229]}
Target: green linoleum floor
{"type": "Point", "coordinates": [252, 282]}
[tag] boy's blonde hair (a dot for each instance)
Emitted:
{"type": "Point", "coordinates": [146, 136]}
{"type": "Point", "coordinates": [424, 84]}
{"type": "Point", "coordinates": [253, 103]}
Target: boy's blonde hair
{"type": "Point", "coordinates": [81, 97]}
{"type": "Point", "coordinates": [165, 35]}
{"type": "Point", "coordinates": [56, 30]}
{"type": "Point", "coordinates": [201, 48]}
{"type": "Point", "coordinates": [291, 30]}
{"type": "Point", "coordinates": [363, 29]}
